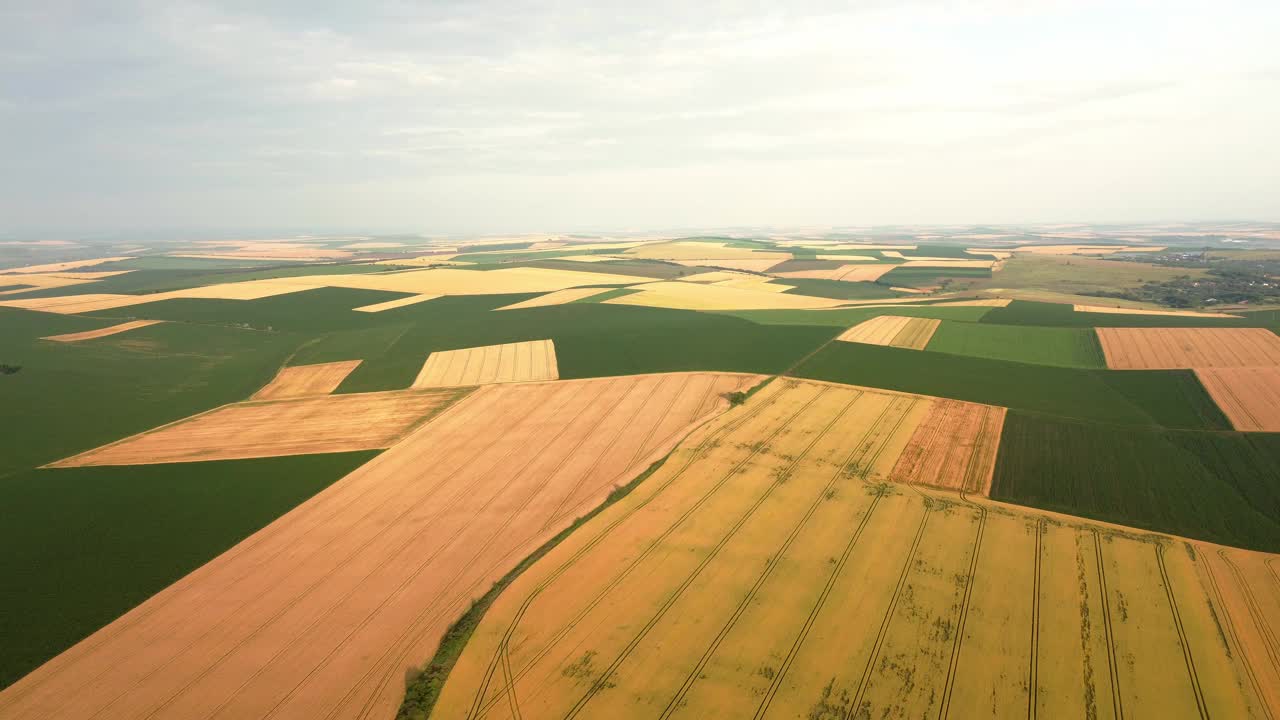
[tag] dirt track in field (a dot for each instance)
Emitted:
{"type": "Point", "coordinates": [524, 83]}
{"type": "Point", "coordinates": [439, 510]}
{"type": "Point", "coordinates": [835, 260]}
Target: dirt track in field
{"type": "Point", "coordinates": [1172, 348]}
{"type": "Point", "coordinates": [102, 332]}
{"type": "Point", "coordinates": [1249, 397]}
{"type": "Point", "coordinates": [324, 612]}
{"type": "Point", "coordinates": [509, 362]}
{"type": "Point", "coordinates": [304, 380]}
{"type": "Point", "coordinates": [294, 426]}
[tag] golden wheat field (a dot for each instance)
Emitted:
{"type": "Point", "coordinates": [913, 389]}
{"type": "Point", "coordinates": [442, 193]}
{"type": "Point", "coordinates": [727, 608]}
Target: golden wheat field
{"type": "Point", "coordinates": [894, 331]}
{"type": "Point", "coordinates": [1171, 348]}
{"type": "Point", "coordinates": [509, 362]}
{"type": "Point", "coordinates": [766, 572]}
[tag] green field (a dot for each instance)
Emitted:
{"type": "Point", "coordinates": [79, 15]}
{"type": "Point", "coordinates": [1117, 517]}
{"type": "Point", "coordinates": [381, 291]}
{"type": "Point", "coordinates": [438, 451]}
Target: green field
{"type": "Point", "coordinates": [838, 289]}
{"type": "Point", "coordinates": [848, 317]}
{"type": "Point", "coordinates": [1063, 347]}
{"type": "Point", "coordinates": [1168, 398]}
{"type": "Point", "coordinates": [1075, 274]}
{"type": "Point", "coordinates": [95, 542]}
{"type": "Point", "coordinates": [929, 276]}
{"type": "Point", "coordinates": [1223, 487]}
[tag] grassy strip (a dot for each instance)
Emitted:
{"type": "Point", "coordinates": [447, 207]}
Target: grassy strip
{"type": "Point", "coordinates": [1062, 347]}
{"type": "Point", "coordinates": [424, 688]}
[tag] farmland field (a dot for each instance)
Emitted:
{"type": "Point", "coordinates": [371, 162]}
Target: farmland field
{"type": "Point", "coordinates": [1063, 347]}
{"type": "Point", "coordinates": [762, 573]}
{"type": "Point", "coordinates": [1166, 348]}
{"type": "Point", "coordinates": [326, 609]}
{"type": "Point", "coordinates": [898, 331]}
{"type": "Point", "coordinates": [1249, 396]}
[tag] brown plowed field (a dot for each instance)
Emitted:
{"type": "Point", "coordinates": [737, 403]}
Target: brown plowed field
{"type": "Point", "coordinates": [102, 332]}
{"type": "Point", "coordinates": [510, 362]}
{"type": "Point", "coordinates": [763, 573]}
{"type": "Point", "coordinates": [304, 380]}
{"type": "Point", "coordinates": [323, 613]}
{"type": "Point", "coordinates": [1249, 397]}
{"type": "Point", "coordinates": [893, 330]}
{"type": "Point", "coordinates": [1171, 348]}
{"type": "Point", "coordinates": [954, 448]}
{"type": "Point", "coordinates": [323, 424]}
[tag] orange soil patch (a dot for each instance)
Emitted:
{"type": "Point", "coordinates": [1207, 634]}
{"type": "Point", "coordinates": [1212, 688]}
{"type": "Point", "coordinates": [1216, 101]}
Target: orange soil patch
{"type": "Point", "coordinates": [1139, 311]}
{"type": "Point", "coordinates": [510, 362]}
{"type": "Point", "coordinates": [271, 428]}
{"type": "Point", "coordinates": [324, 612]}
{"type": "Point", "coordinates": [1172, 348]}
{"type": "Point", "coordinates": [1248, 396]}
{"type": "Point", "coordinates": [60, 267]}
{"type": "Point", "coordinates": [893, 330]}
{"type": "Point", "coordinates": [559, 297]}
{"type": "Point", "coordinates": [304, 380]}
{"type": "Point", "coordinates": [846, 273]}
{"type": "Point", "coordinates": [392, 304]}
{"type": "Point", "coordinates": [953, 448]}
{"type": "Point", "coordinates": [102, 332]}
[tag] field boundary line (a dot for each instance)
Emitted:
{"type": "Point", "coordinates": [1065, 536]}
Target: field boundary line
{"type": "Point", "coordinates": [1251, 602]}
{"type": "Point", "coordinates": [697, 571]}
{"type": "Point", "coordinates": [1112, 664]}
{"type": "Point", "coordinates": [1033, 670]}
{"type": "Point", "coordinates": [696, 453]}
{"type": "Point", "coordinates": [1182, 634]}
{"type": "Point", "coordinates": [957, 644]}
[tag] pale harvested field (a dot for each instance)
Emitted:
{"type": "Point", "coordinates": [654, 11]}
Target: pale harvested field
{"type": "Point", "coordinates": [836, 245]}
{"type": "Point", "coordinates": [892, 254]}
{"type": "Point", "coordinates": [271, 428]}
{"type": "Point", "coordinates": [1086, 249]}
{"type": "Point", "coordinates": [1171, 348]}
{"type": "Point", "coordinates": [102, 332]}
{"type": "Point", "coordinates": [559, 297]}
{"type": "Point", "coordinates": [850, 258]}
{"type": "Point", "coordinates": [764, 572]}
{"type": "Point", "coordinates": [372, 245]}
{"type": "Point", "coordinates": [63, 266]}
{"type": "Point", "coordinates": [698, 296]}
{"type": "Point", "coordinates": [397, 303]}
{"type": "Point", "coordinates": [954, 448]}
{"type": "Point", "coordinates": [912, 333]}
{"type": "Point", "coordinates": [304, 380]}
{"type": "Point", "coordinates": [1248, 396]}
{"type": "Point", "coordinates": [432, 281]}
{"type": "Point", "coordinates": [510, 362]}
{"type": "Point", "coordinates": [846, 273]}
{"type": "Point", "coordinates": [323, 613]}
{"type": "Point", "coordinates": [997, 254]}
{"type": "Point", "coordinates": [47, 281]}
{"type": "Point", "coordinates": [760, 263]}
{"type": "Point", "coordinates": [1138, 311]}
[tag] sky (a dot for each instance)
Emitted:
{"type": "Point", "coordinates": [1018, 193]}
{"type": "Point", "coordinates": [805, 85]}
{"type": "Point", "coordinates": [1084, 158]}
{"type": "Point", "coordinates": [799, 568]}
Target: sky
{"type": "Point", "coordinates": [498, 117]}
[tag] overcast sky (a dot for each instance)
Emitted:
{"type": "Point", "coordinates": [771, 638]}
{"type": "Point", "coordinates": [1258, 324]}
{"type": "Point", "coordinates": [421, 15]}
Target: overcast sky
{"type": "Point", "coordinates": [474, 116]}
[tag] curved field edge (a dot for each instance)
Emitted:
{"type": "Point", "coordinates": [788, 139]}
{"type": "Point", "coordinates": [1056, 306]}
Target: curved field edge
{"type": "Point", "coordinates": [424, 688]}
{"type": "Point", "coordinates": [1218, 486]}
{"type": "Point", "coordinates": [126, 533]}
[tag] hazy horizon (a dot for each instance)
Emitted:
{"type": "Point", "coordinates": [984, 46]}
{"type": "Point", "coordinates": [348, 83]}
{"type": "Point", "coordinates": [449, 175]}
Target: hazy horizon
{"type": "Point", "coordinates": [470, 118]}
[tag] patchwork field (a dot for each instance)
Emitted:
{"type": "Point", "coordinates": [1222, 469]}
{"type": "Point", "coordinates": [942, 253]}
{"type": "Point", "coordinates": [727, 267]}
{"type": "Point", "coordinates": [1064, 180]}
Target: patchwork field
{"type": "Point", "coordinates": [393, 304]}
{"type": "Point", "coordinates": [701, 296]}
{"type": "Point", "coordinates": [1249, 396]}
{"type": "Point", "coordinates": [1063, 347]}
{"type": "Point", "coordinates": [762, 573]}
{"type": "Point", "coordinates": [324, 611]}
{"type": "Point", "coordinates": [102, 332]}
{"type": "Point", "coordinates": [303, 380]}
{"type": "Point", "coordinates": [1140, 311]}
{"type": "Point", "coordinates": [291, 426]}
{"type": "Point", "coordinates": [844, 273]}
{"type": "Point", "coordinates": [559, 297]}
{"type": "Point", "coordinates": [509, 362]}
{"type": "Point", "coordinates": [1167, 348]}
{"type": "Point", "coordinates": [912, 333]}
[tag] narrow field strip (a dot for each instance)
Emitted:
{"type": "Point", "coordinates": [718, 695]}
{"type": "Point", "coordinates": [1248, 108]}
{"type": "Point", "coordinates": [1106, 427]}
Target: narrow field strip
{"type": "Point", "coordinates": [393, 304]}
{"type": "Point", "coordinates": [102, 332]}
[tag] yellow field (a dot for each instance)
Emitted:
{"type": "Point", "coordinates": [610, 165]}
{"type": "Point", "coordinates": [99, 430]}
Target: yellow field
{"type": "Point", "coordinates": [764, 572]}
{"type": "Point", "coordinates": [853, 259]}
{"type": "Point", "coordinates": [304, 380]}
{"type": "Point", "coordinates": [846, 273]}
{"type": "Point", "coordinates": [698, 296]}
{"type": "Point", "coordinates": [271, 428]}
{"type": "Point", "coordinates": [1138, 311]}
{"type": "Point", "coordinates": [511, 362]}
{"type": "Point", "coordinates": [432, 281]}
{"type": "Point", "coordinates": [893, 330]}
{"type": "Point", "coordinates": [1086, 249]}
{"type": "Point", "coordinates": [1248, 396]}
{"type": "Point", "coordinates": [700, 251]}
{"type": "Point", "coordinates": [949, 263]}
{"type": "Point", "coordinates": [397, 303]}
{"type": "Point", "coordinates": [559, 297]}
{"type": "Point", "coordinates": [48, 281]}
{"type": "Point", "coordinates": [63, 266]}
{"type": "Point", "coordinates": [102, 332]}
{"type": "Point", "coordinates": [1172, 348]}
